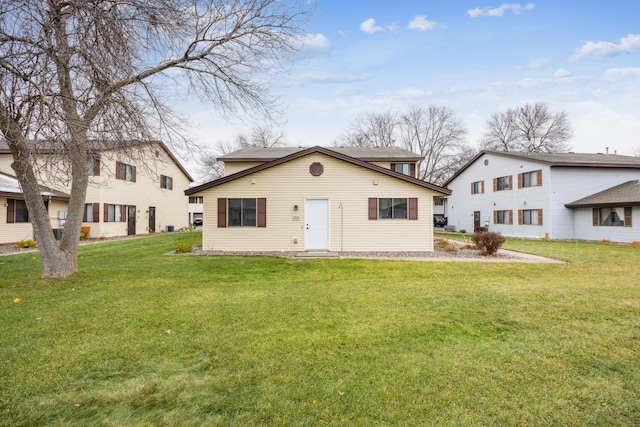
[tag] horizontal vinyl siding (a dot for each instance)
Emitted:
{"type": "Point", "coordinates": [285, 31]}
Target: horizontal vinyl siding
{"type": "Point", "coordinates": [348, 189]}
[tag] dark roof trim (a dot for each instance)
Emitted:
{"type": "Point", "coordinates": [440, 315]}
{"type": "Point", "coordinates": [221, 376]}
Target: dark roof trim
{"type": "Point", "coordinates": [625, 194]}
{"type": "Point", "coordinates": [326, 152]}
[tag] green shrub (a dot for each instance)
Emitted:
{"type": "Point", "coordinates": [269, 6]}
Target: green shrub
{"type": "Point", "coordinates": [82, 236]}
{"type": "Point", "coordinates": [487, 242]}
{"type": "Point", "coordinates": [23, 244]}
{"type": "Point", "coordinates": [463, 231]}
{"type": "Point", "coordinates": [183, 248]}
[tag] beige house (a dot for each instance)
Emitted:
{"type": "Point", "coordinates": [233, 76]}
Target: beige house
{"type": "Point", "coordinates": [14, 217]}
{"type": "Point", "coordinates": [318, 199]}
{"type": "Point", "coordinates": [133, 193]}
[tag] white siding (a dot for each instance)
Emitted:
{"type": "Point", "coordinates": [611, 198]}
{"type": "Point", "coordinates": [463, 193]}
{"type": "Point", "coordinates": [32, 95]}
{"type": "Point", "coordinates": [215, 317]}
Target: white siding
{"type": "Point", "coordinates": [348, 189]}
{"type": "Point", "coordinates": [584, 229]}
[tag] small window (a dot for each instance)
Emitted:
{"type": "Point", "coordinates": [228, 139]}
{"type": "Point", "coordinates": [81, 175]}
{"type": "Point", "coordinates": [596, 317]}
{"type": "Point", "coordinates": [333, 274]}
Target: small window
{"type": "Point", "coordinates": [125, 172]}
{"type": "Point", "coordinates": [395, 208]}
{"type": "Point", "coordinates": [530, 217]}
{"type": "Point", "coordinates": [242, 212]}
{"type": "Point", "coordinates": [477, 187]}
{"type": "Point", "coordinates": [404, 168]}
{"type": "Point", "coordinates": [21, 212]}
{"type": "Point", "coordinates": [115, 213]}
{"type": "Point", "coordinates": [438, 201]}
{"type": "Point", "coordinates": [196, 200]}
{"type": "Point", "coordinates": [503, 183]}
{"type": "Point", "coordinates": [87, 216]}
{"type": "Point", "coordinates": [166, 182]}
{"type": "Point", "coordinates": [503, 217]}
{"type": "Point", "coordinates": [531, 179]}
{"type": "Point", "coordinates": [93, 165]}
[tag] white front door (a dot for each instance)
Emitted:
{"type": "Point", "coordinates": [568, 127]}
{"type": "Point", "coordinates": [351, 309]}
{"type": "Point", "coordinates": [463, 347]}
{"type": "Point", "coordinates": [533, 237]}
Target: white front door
{"type": "Point", "coordinates": [316, 222]}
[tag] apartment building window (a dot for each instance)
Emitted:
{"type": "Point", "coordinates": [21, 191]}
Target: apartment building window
{"type": "Point", "coordinates": [438, 201]}
{"type": "Point", "coordinates": [477, 187]}
{"type": "Point", "coordinates": [612, 217]}
{"type": "Point", "coordinates": [115, 213]}
{"type": "Point", "coordinates": [166, 182]}
{"type": "Point", "coordinates": [502, 183]}
{"type": "Point", "coordinates": [93, 165]}
{"type": "Point", "coordinates": [91, 212]}
{"type": "Point", "coordinates": [242, 212]}
{"type": "Point", "coordinates": [197, 200]}
{"type": "Point", "coordinates": [530, 179]}
{"type": "Point", "coordinates": [530, 217]}
{"type": "Point", "coordinates": [125, 172]}
{"type": "Point", "coordinates": [393, 208]}
{"type": "Point", "coordinates": [503, 217]}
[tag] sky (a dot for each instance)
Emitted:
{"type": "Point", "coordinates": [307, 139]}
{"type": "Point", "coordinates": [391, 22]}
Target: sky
{"type": "Point", "coordinates": [474, 57]}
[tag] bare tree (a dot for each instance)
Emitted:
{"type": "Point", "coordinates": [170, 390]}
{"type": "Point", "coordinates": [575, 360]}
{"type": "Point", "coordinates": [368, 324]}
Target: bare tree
{"type": "Point", "coordinates": [263, 136]}
{"type": "Point", "coordinates": [372, 130]}
{"type": "Point", "coordinates": [75, 71]}
{"type": "Point", "coordinates": [439, 136]}
{"type": "Point", "coordinates": [531, 127]}
{"type": "Point", "coordinates": [636, 151]}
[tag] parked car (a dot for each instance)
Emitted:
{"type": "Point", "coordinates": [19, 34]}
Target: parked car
{"type": "Point", "coordinates": [439, 221]}
{"type": "Point", "coordinates": [197, 222]}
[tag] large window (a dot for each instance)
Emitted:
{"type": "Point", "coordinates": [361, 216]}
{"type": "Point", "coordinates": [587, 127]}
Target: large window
{"type": "Point", "coordinates": [531, 217]}
{"type": "Point", "coordinates": [166, 182]}
{"type": "Point", "coordinates": [531, 179]}
{"type": "Point", "coordinates": [502, 183]}
{"type": "Point", "coordinates": [502, 217]}
{"type": "Point", "coordinates": [392, 208]}
{"type": "Point", "coordinates": [242, 212]}
{"type": "Point", "coordinates": [612, 217]}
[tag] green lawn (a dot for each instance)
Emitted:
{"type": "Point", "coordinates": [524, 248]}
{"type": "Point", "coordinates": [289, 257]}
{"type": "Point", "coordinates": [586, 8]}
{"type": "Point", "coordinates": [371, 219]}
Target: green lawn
{"type": "Point", "coordinates": [142, 339]}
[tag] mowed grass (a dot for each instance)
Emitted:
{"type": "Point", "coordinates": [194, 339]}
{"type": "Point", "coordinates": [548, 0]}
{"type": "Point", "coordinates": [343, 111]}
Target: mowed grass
{"type": "Point", "coordinates": [143, 339]}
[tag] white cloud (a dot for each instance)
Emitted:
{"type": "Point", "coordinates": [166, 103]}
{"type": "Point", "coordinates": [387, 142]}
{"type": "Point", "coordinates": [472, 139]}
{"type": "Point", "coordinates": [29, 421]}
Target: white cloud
{"type": "Point", "coordinates": [628, 44]}
{"type": "Point", "coordinates": [538, 63]}
{"type": "Point", "coordinates": [369, 26]}
{"type": "Point", "coordinates": [312, 43]}
{"type": "Point", "coordinates": [500, 11]}
{"type": "Point", "coordinates": [562, 73]}
{"type": "Point", "coordinates": [615, 74]}
{"type": "Point", "coordinates": [421, 23]}
{"type": "Point", "coordinates": [324, 77]}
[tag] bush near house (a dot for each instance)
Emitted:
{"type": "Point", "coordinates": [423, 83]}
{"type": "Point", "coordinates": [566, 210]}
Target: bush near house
{"type": "Point", "coordinates": [488, 242]}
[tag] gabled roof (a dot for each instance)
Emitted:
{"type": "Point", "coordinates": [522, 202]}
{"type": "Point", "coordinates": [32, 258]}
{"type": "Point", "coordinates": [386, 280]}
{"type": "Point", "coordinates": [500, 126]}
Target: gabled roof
{"type": "Point", "coordinates": [368, 154]}
{"type": "Point", "coordinates": [47, 148]}
{"type": "Point", "coordinates": [589, 160]}
{"type": "Point", "coordinates": [627, 194]}
{"type": "Point", "coordinates": [10, 187]}
{"type": "Point", "coordinates": [322, 150]}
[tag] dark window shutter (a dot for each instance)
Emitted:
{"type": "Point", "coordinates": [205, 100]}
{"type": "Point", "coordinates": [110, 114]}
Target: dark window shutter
{"type": "Point", "coordinates": [96, 166]}
{"type": "Point", "coordinates": [482, 185]}
{"type": "Point", "coordinates": [11, 211]}
{"type": "Point", "coordinates": [118, 170]}
{"type": "Point", "coordinates": [170, 183]}
{"type": "Point", "coordinates": [262, 212]}
{"type": "Point", "coordinates": [511, 217]}
{"type": "Point", "coordinates": [519, 180]}
{"type": "Point", "coordinates": [161, 181]}
{"type": "Point", "coordinates": [596, 217]}
{"type": "Point", "coordinates": [393, 167]}
{"type": "Point", "coordinates": [495, 184]}
{"type": "Point", "coordinates": [96, 212]}
{"type": "Point", "coordinates": [520, 216]}
{"type": "Point", "coordinates": [539, 176]}
{"type": "Point", "coordinates": [495, 217]}
{"type": "Point", "coordinates": [413, 208]}
{"type": "Point", "coordinates": [106, 213]}
{"type": "Point", "coordinates": [472, 188]}
{"type": "Point", "coordinates": [133, 173]}
{"type": "Point", "coordinates": [412, 170]}
{"type": "Point", "coordinates": [123, 213]}
{"type": "Point", "coordinates": [627, 216]}
{"type": "Point", "coordinates": [373, 208]}
{"type": "Point", "coordinates": [222, 212]}
{"type": "Point", "coordinates": [510, 182]}
{"type": "Point", "coordinates": [539, 216]}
